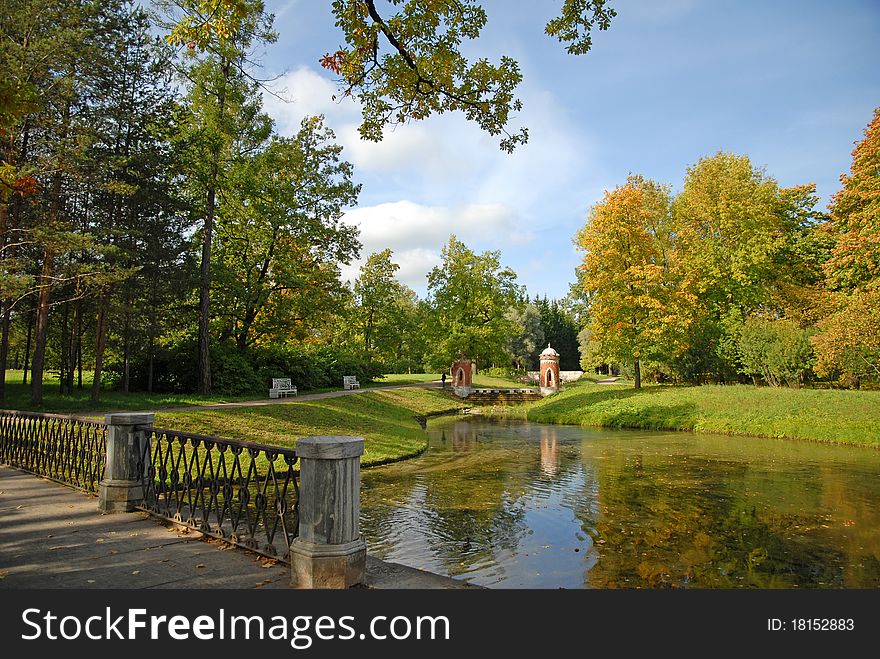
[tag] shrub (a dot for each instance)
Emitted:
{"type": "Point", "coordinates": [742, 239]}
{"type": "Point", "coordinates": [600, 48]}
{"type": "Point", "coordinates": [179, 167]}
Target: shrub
{"type": "Point", "coordinates": [776, 350]}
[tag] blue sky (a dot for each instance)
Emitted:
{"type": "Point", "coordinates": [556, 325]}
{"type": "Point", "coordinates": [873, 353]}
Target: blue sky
{"type": "Point", "coordinates": [792, 84]}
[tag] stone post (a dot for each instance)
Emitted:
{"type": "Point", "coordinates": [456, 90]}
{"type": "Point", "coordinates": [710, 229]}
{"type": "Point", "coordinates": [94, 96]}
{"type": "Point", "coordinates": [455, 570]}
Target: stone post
{"type": "Point", "coordinates": [127, 436]}
{"type": "Point", "coordinates": [329, 551]}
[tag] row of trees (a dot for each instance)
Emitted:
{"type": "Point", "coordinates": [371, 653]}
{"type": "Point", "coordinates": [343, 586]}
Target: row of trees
{"type": "Point", "coordinates": [735, 276]}
{"type": "Point", "coordinates": [153, 227]}
{"type": "Point", "coordinates": [147, 202]}
{"type": "Point", "coordinates": [474, 308]}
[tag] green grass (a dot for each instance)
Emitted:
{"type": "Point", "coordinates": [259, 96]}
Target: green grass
{"type": "Point", "coordinates": [18, 397]}
{"type": "Point", "coordinates": [495, 382]}
{"type": "Point", "coordinates": [404, 378]}
{"type": "Point", "coordinates": [385, 419]}
{"type": "Point", "coordinates": [841, 417]}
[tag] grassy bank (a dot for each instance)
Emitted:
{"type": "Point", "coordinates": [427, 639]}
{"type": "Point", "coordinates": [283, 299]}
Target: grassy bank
{"type": "Point", "coordinates": [841, 417]}
{"type": "Point", "coordinates": [385, 419]}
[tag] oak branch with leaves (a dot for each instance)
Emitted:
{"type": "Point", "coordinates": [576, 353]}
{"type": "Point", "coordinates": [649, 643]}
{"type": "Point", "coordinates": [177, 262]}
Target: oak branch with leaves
{"type": "Point", "coordinates": [402, 59]}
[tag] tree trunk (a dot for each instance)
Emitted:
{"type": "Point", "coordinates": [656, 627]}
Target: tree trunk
{"type": "Point", "coordinates": [41, 324]}
{"type": "Point", "coordinates": [126, 344]}
{"type": "Point", "coordinates": [71, 350]}
{"type": "Point", "coordinates": [100, 344]}
{"type": "Point", "coordinates": [637, 367]}
{"type": "Point", "coordinates": [4, 348]}
{"type": "Point", "coordinates": [63, 347]}
{"type": "Point", "coordinates": [204, 384]}
{"type": "Point", "coordinates": [4, 339]}
{"type": "Point", "coordinates": [150, 366]}
{"type": "Point", "coordinates": [79, 352]}
{"type": "Point", "coordinates": [27, 345]}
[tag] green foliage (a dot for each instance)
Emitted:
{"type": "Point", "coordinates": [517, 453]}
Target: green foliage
{"type": "Point", "coordinates": [470, 295]}
{"type": "Point", "coordinates": [280, 238]}
{"type": "Point", "coordinates": [249, 373]}
{"type": "Point", "coordinates": [776, 350]}
{"type": "Point", "coordinates": [528, 337]}
{"type": "Point", "coordinates": [560, 327]}
{"type": "Point", "coordinates": [410, 64]}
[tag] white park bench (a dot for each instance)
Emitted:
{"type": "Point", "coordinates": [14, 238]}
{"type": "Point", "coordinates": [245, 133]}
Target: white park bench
{"type": "Point", "coordinates": [281, 387]}
{"type": "Point", "coordinates": [350, 382]}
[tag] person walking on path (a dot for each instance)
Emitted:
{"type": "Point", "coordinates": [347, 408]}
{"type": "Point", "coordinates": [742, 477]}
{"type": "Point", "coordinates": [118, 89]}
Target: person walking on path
{"type": "Point", "coordinates": [443, 381]}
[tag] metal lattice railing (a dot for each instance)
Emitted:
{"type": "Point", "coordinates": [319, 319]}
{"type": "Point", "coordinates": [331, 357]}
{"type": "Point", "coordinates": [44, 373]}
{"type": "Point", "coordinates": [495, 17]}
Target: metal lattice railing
{"type": "Point", "coordinates": [63, 449]}
{"type": "Point", "coordinates": [241, 492]}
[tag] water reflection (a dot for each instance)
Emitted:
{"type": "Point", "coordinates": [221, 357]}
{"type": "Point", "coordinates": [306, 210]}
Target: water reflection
{"type": "Point", "coordinates": [526, 505]}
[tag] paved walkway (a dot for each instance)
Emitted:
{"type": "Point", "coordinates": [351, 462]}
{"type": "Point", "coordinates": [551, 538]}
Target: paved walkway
{"type": "Point", "coordinates": [52, 536]}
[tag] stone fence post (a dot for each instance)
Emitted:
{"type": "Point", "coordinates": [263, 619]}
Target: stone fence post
{"type": "Point", "coordinates": [127, 436]}
{"type": "Point", "coordinates": [329, 551]}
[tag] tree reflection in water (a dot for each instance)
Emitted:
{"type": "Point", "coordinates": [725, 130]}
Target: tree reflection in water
{"type": "Point", "coordinates": [530, 505]}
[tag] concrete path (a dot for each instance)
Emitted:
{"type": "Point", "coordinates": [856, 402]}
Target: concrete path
{"type": "Point", "coordinates": [52, 536]}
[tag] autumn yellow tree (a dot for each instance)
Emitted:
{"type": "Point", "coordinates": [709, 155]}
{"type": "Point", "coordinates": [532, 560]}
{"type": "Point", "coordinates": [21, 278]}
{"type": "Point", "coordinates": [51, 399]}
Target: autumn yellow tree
{"type": "Point", "coordinates": [848, 344]}
{"type": "Point", "coordinates": [625, 272]}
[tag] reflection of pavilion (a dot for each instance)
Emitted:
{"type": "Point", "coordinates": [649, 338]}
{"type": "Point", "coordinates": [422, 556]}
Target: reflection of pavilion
{"type": "Point", "coordinates": [549, 451]}
{"type": "Point", "coordinates": [464, 435]}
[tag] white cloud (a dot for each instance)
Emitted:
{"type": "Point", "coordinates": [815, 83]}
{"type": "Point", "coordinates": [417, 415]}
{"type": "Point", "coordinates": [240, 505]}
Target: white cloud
{"type": "Point", "coordinates": [302, 93]}
{"type": "Point", "coordinates": [416, 233]}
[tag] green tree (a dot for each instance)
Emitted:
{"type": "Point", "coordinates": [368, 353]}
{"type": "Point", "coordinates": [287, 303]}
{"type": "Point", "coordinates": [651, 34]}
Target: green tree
{"type": "Point", "coordinates": [376, 294]}
{"type": "Point", "coordinates": [529, 336]}
{"type": "Point", "coordinates": [470, 294]}
{"type": "Point", "coordinates": [730, 233]}
{"type": "Point", "coordinates": [225, 121]}
{"type": "Point", "coordinates": [280, 236]}
{"type": "Point", "coordinates": [560, 331]}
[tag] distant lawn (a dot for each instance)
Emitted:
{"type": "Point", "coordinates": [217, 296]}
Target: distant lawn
{"type": "Point", "coordinates": [18, 397]}
{"type": "Point", "coordinates": [404, 378]}
{"type": "Point", "coordinates": [385, 419]}
{"type": "Point", "coordinates": [842, 417]}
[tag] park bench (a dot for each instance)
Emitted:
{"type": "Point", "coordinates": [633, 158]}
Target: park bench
{"type": "Point", "coordinates": [281, 387]}
{"type": "Point", "coordinates": [350, 382]}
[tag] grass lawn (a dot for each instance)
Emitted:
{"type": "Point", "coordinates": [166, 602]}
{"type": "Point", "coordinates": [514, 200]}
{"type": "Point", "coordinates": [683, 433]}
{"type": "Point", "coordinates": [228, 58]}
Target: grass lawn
{"type": "Point", "coordinates": [404, 378]}
{"type": "Point", "coordinates": [385, 419]}
{"type": "Point", "coordinates": [842, 417]}
{"type": "Point", "coordinates": [18, 397]}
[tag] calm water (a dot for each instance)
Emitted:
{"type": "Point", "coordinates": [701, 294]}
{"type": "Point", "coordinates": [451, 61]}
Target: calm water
{"type": "Point", "coordinates": [519, 505]}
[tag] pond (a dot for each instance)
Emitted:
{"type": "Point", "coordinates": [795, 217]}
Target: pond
{"type": "Point", "coordinates": [523, 505]}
